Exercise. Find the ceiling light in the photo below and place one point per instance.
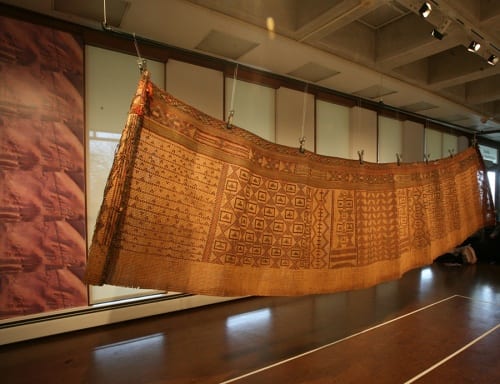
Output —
(493, 60)
(473, 46)
(425, 10)
(438, 35)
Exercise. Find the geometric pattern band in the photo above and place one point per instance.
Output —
(193, 206)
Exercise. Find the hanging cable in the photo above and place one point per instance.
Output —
(302, 138)
(231, 105)
(140, 61)
(105, 17)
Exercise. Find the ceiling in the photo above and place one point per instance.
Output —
(381, 50)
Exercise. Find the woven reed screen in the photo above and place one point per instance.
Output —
(192, 206)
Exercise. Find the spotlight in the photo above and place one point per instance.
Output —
(473, 46)
(438, 35)
(425, 10)
(493, 60)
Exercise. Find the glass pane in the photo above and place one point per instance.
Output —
(489, 154)
(492, 178)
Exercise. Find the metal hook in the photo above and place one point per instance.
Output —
(361, 153)
(474, 141)
(142, 63)
(302, 141)
(451, 152)
(230, 116)
(399, 157)
(427, 157)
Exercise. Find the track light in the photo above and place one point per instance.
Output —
(493, 60)
(425, 10)
(473, 46)
(438, 35)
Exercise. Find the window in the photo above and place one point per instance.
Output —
(111, 80)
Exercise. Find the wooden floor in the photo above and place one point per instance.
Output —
(439, 324)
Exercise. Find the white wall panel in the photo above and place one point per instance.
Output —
(254, 107)
(433, 144)
(332, 129)
(294, 118)
(390, 139)
(413, 141)
(462, 143)
(450, 143)
(202, 88)
(363, 133)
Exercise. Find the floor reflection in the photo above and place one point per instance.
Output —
(486, 293)
(247, 330)
(130, 353)
(426, 279)
(259, 319)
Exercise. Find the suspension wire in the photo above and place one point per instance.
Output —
(105, 17)
(140, 61)
(231, 105)
(302, 138)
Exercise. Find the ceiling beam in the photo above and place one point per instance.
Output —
(396, 47)
(340, 16)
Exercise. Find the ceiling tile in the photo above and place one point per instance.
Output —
(382, 15)
(374, 92)
(455, 117)
(225, 45)
(115, 9)
(419, 106)
(313, 72)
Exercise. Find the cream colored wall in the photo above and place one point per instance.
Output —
(203, 88)
(449, 143)
(433, 144)
(254, 107)
(390, 139)
(413, 141)
(332, 129)
(363, 133)
(462, 143)
(294, 118)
